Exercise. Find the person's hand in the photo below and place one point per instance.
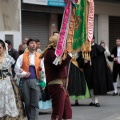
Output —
(116, 59)
(112, 56)
(21, 70)
(43, 88)
(86, 61)
(65, 51)
(27, 75)
(14, 80)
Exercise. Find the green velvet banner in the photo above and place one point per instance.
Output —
(80, 25)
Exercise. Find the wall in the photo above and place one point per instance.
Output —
(104, 10)
(16, 37)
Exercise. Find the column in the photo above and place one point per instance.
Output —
(53, 23)
(103, 28)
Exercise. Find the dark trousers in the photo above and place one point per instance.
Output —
(60, 102)
(116, 71)
(30, 92)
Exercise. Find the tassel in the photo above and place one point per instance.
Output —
(60, 61)
(64, 57)
(83, 54)
(87, 55)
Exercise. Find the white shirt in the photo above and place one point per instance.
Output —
(118, 51)
(107, 52)
(43, 69)
(118, 54)
(19, 62)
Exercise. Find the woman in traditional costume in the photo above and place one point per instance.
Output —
(107, 52)
(10, 101)
(77, 87)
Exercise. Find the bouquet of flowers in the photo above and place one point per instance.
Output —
(41, 83)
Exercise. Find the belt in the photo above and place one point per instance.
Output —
(4, 74)
(58, 81)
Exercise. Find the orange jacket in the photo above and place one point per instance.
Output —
(26, 63)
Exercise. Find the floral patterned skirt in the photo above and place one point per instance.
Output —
(12, 115)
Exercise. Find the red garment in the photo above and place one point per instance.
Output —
(60, 98)
(60, 102)
(52, 71)
(116, 62)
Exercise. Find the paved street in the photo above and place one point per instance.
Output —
(109, 110)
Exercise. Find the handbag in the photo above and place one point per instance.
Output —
(44, 95)
(44, 105)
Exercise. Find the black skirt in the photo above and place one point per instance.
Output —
(77, 83)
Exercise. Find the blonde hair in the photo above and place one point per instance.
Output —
(52, 43)
(53, 39)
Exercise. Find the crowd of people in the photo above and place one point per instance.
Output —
(73, 78)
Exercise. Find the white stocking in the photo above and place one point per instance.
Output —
(92, 95)
(115, 87)
(96, 99)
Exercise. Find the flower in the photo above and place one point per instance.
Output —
(40, 69)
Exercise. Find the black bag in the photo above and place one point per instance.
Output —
(44, 95)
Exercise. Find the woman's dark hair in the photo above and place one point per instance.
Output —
(102, 43)
(30, 40)
(37, 40)
(117, 39)
(55, 32)
(8, 42)
(2, 43)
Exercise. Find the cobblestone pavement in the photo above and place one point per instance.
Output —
(109, 110)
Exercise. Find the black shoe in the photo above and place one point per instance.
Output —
(97, 105)
(76, 104)
(115, 94)
(92, 104)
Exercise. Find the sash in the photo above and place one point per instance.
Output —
(61, 45)
(90, 20)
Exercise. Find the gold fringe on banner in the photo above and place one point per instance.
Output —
(86, 47)
(71, 31)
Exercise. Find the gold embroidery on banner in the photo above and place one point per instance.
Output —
(71, 31)
(74, 24)
(78, 2)
(86, 47)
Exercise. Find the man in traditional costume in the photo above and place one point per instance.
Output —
(97, 75)
(115, 57)
(27, 66)
(56, 79)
